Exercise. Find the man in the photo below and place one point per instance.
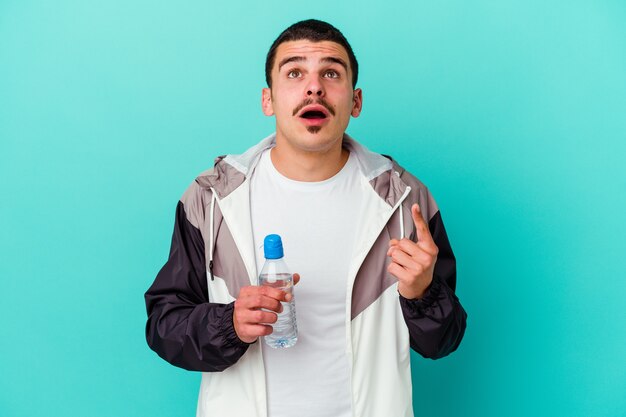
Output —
(377, 272)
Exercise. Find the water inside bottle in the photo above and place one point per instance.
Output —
(285, 333)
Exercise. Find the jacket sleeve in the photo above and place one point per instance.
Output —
(183, 327)
(437, 321)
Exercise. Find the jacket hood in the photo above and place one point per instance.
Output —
(230, 171)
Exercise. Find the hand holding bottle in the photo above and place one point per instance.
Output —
(250, 318)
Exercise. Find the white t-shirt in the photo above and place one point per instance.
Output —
(317, 222)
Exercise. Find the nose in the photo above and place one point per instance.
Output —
(315, 88)
(313, 92)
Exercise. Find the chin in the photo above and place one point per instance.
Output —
(319, 139)
(318, 142)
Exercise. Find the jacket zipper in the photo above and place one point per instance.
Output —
(211, 221)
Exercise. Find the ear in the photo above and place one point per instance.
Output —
(357, 104)
(266, 102)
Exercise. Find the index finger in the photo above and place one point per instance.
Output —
(421, 228)
(274, 293)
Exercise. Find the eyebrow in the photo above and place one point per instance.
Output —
(328, 59)
(336, 61)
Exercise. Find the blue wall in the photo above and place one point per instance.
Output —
(513, 113)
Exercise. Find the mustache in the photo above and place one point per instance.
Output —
(310, 101)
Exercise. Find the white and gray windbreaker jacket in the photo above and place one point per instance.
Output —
(190, 303)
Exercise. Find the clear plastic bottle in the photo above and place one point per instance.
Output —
(275, 273)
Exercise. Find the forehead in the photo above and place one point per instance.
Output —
(309, 50)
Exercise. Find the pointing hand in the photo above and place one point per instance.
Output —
(413, 263)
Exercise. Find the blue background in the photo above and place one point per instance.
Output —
(513, 113)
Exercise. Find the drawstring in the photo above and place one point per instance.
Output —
(401, 212)
(213, 198)
(401, 223)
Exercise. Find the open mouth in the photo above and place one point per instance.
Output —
(313, 114)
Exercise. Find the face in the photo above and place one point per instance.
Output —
(311, 95)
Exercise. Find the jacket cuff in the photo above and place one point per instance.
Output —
(227, 329)
(417, 306)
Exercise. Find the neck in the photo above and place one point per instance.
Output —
(308, 166)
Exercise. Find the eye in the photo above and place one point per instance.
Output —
(294, 73)
(331, 74)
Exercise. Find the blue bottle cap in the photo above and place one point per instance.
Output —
(273, 247)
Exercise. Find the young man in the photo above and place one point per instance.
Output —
(377, 271)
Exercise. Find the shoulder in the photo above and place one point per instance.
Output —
(410, 179)
(419, 193)
(197, 197)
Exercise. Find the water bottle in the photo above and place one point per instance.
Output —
(275, 273)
